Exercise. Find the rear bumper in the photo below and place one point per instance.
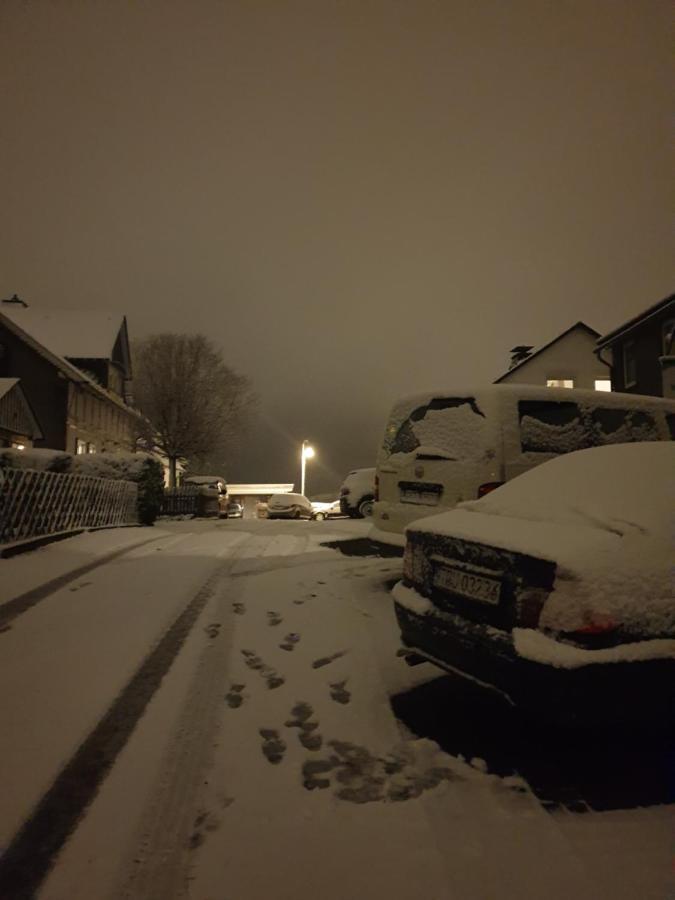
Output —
(587, 694)
(391, 519)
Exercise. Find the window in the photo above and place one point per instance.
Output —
(91, 448)
(80, 447)
(667, 338)
(603, 384)
(560, 382)
(622, 426)
(551, 427)
(629, 364)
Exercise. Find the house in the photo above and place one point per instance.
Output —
(569, 360)
(18, 425)
(643, 360)
(79, 410)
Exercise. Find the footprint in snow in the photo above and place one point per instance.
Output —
(339, 692)
(326, 660)
(234, 696)
(213, 629)
(238, 608)
(271, 676)
(307, 730)
(273, 618)
(290, 641)
(273, 746)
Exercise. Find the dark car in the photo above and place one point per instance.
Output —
(556, 589)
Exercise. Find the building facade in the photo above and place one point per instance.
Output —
(641, 352)
(569, 360)
(74, 411)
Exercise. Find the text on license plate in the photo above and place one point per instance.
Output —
(427, 498)
(467, 584)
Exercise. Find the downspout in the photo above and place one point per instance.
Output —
(598, 353)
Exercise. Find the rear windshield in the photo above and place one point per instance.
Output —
(444, 428)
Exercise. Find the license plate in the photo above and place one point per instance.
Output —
(475, 587)
(426, 498)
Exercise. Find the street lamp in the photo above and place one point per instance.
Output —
(307, 452)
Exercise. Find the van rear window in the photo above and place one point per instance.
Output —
(547, 426)
(444, 428)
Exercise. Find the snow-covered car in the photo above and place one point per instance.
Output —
(213, 483)
(447, 447)
(289, 506)
(234, 510)
(321, 511)
(358, 493)
(557, 589)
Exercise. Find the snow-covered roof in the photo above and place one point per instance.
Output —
(73, 333)
(611, 336)
(68, 369)
(255, 489)
(581, 326)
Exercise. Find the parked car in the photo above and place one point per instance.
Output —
(321, 511)
(289, 506)
(445, 448)
(235, 510)
(358, 493)
(215, 483)
(556, 590)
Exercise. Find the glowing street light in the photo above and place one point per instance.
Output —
(307, 452)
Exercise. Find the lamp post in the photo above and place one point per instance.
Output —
(307, 452)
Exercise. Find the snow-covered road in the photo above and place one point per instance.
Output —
(207, 714)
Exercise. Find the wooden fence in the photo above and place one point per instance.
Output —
(38, 503)
(181, 501)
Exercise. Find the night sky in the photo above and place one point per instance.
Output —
(353, 199)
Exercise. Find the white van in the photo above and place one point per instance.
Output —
(442, 448)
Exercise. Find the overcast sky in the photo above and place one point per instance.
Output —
(353, 199)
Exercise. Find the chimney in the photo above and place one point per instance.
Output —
(16, 300)
(519, 354)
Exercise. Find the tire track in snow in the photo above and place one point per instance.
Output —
(33, 850)
(21, 604)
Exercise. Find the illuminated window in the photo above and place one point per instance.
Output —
(80, 447)
(560, 382)
(667, 337)
(603, 384)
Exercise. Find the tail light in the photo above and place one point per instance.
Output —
(376, 490)
(600, 626)
(488, 486)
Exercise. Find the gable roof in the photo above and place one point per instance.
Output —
(71, 372)
(580, 325)
(631, 323)
(16, 414)
(71, 333)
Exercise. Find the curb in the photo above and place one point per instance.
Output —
(9, 550)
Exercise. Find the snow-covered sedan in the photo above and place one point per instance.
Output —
(556, 589)
(289, 506)
(321, 511)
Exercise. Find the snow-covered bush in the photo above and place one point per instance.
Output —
(38, 460)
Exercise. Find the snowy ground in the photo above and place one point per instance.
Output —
(267, 762)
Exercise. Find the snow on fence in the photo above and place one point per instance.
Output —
(181, 501)
(36, 503)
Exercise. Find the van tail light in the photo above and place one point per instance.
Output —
(488, 486)
(376, 491)
(600, 626)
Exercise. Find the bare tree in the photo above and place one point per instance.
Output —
(195, 402)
